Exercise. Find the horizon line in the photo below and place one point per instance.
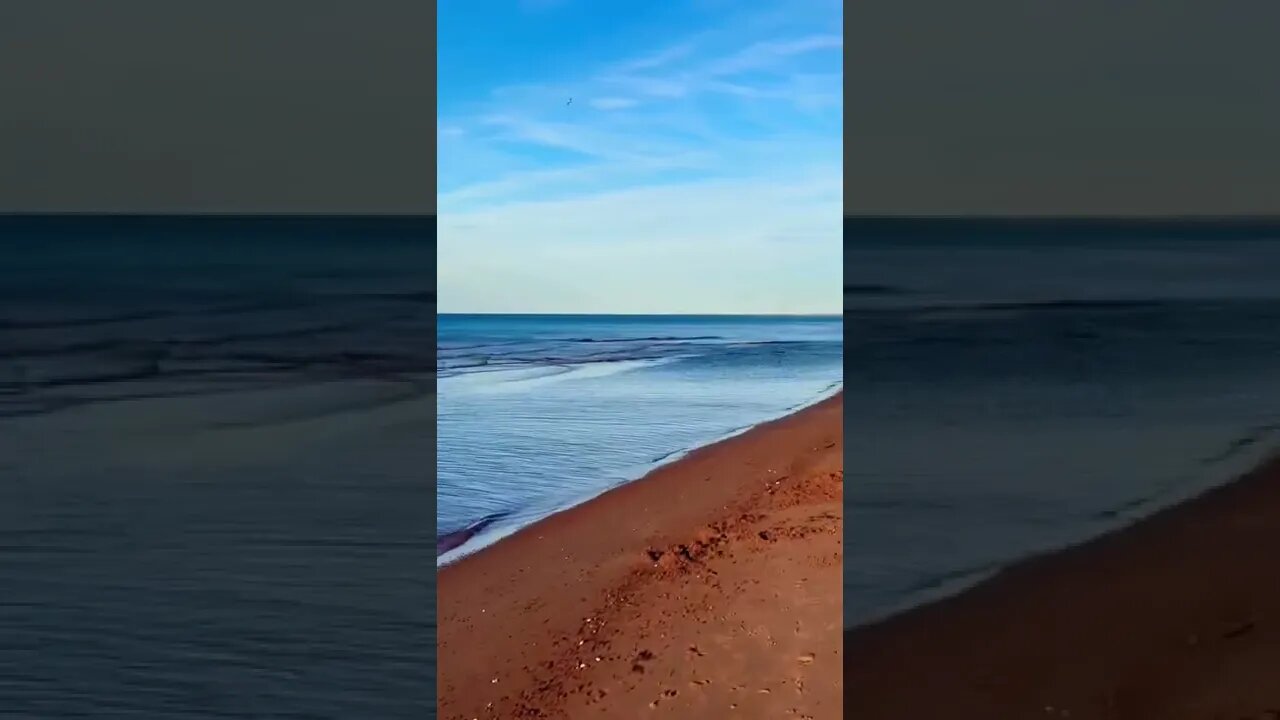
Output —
(1108, 217)
(649, 314)
(59, 214)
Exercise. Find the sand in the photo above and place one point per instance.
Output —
(709, 588)
(1175, 617)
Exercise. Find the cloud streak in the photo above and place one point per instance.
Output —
(613, 103)
(730, 137)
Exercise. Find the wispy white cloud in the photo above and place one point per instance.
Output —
(763, 55)
(657, 59)
(660, 114)
(613, 103)
(726, 141)
(712, 74)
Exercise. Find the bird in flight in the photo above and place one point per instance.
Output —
(570, 102)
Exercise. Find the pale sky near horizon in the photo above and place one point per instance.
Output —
(698, 168)
(1076, 107)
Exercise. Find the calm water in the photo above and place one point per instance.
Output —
(216, 450)
(541, 412)
(1010, 393)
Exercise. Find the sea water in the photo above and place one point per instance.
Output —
(1014, 392)
(538, 413)
(216, 450)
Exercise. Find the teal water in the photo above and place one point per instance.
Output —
(538, 413)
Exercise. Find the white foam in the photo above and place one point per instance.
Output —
(523, 379)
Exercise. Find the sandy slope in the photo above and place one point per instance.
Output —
(1176, 617)
(710, 588)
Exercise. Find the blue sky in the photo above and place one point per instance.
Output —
(697, 170)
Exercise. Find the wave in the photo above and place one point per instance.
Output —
(448, 350)
(1072, 304)
(457, 538)
(189, 306)
(457, 363)
(508, 377)
(827, 392)
(1056, 305)
(108, 345)
(1249, 439)
(14, 324)
(492, 528)
(449, 367)
(976, 230)
(655, 338)
(212, 309)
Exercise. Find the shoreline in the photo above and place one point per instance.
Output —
(1175, 615)
(1241, 460)
(458, 539)
(710, 585)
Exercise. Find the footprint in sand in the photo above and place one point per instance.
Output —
(644, 656)
(666, 695)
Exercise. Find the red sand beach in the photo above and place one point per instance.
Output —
(709, 588)
(1176, 617)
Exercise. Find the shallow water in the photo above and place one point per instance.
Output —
(1005, 399)
(541, 412)
(216, 448)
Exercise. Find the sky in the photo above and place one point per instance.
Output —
(1067, 107)
(640, 157)
(249, 106)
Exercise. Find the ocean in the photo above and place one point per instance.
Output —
(1017, 387)
(539, 413)
(216, 451)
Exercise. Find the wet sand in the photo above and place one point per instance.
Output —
(1177, 616)
(709, 588)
